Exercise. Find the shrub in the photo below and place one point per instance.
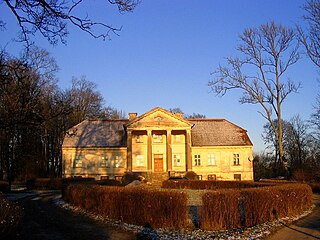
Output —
(315, 187)
(248, 207)
(166, 209)
(10, 216)
(191, 175)
(108, 182)
(211, 185)
(129, 177)
(44, 183)
(220, 210)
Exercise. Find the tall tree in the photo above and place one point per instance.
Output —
(310, 37)
(86, 100)
(50, 18)
(266, 53)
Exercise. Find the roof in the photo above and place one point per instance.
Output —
(217, 132)
(112, 133)
(97, 133)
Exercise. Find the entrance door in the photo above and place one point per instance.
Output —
(158, 162)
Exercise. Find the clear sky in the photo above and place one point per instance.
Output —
(166, 52)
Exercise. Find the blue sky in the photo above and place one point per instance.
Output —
(166, 52)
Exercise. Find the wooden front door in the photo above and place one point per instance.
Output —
(158, 162)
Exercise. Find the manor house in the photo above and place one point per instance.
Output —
(158, 143)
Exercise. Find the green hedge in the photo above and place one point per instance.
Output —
(234, 208)
(165, 209)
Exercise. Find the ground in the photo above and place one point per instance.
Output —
(305, 228)
(44, 220)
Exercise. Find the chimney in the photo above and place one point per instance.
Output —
(132, 116)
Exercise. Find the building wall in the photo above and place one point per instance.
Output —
(223, 162)
(94, 162)
(215, 162)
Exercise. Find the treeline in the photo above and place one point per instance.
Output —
(35, 113)
(301, 141)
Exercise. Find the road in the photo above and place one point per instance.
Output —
(44, 220)
(307, 228)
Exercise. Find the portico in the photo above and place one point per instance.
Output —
(158, 142)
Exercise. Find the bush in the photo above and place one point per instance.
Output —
(220, 210)
(315, 187)
(247, 207)
(4, 186)
(44, 183)
(10, 216)
(166, 209)
(211, 185)
(191, 175)
(129, 177)
(108, 182)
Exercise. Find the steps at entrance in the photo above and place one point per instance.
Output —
(156, 179)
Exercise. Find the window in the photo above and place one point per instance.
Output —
(211, 160)
(212, 177)
(197, 160)
(118, 162)
(104, 161)
(177, 160)
(139, 139)
(177, 138)
(78, 161)
(157, 138)
(237, 177)
(236, 159)
(139, 160)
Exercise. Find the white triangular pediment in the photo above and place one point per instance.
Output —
(159, 117)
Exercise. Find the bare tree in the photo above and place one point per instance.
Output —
(259, 72)
(50, 18)
(310, 38)
(296, 141)
(87, 101)
(113, 113)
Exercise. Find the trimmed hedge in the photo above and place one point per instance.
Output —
(234, 208)
(211, 185)
(165, 209)
(44, 183)
(220, 210)
(10, 216)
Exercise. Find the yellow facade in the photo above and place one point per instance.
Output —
(94, 162)
(160, 142)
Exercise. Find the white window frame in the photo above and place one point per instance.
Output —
(197, 160)
(211, 159)
(236, 159)
(139, 138)
(157, 138)
(78, 161)
(177, 160)
(118, 161)
(177, 138)
(140, 161)
(104, 161)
